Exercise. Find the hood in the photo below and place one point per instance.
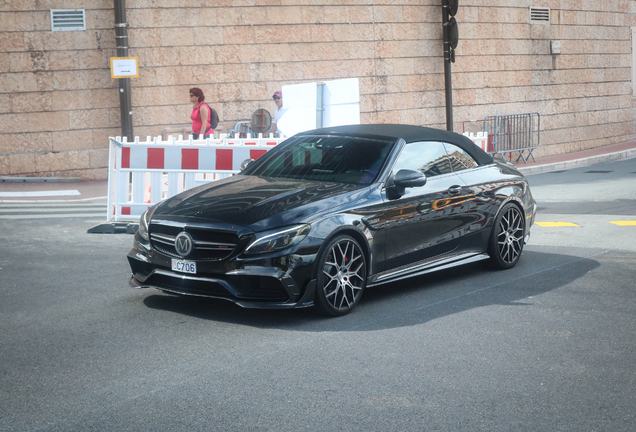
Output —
(258, 202)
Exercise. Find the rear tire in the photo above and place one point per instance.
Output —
(341, 276)
(506, 239)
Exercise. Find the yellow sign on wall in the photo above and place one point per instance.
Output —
(124, 67)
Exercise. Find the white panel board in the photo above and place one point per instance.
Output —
(342, 102)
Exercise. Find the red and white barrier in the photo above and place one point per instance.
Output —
(480, 139)
(140, 174)
(143, 173)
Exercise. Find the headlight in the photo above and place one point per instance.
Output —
(143, 226)
(274, 241)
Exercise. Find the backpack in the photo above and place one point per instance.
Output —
(214, 117)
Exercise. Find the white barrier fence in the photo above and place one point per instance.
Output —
(480, 139)
(140, 174)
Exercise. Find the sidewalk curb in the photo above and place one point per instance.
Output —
(39, 179)
(577, 163)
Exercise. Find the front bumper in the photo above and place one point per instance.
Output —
(272, 282)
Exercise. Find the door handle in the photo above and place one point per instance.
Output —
(454, 190)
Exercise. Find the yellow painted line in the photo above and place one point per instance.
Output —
(623, 223)
(556, 224)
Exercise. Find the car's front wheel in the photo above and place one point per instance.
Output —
(506, 239)
(341, 276)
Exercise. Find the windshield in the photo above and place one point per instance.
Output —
(325, 158)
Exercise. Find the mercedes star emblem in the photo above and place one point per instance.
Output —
(183, 244)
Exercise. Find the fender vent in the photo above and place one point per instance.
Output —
(68, 19)
(539, 15)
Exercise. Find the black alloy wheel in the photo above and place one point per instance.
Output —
(506, 241)
(341, 276)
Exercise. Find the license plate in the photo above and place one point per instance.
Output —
(184, 266)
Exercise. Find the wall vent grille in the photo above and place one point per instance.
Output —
(540, 15)
(68, 19)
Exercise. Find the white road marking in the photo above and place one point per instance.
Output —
(40, 193)
(52, 210)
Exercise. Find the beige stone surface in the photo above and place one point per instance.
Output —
(5, 166)
(11, 41)
(350, 32)
(95, 59)
(180, 36)
(78, 159)
(5, 103)
(56, 92)
(13, 123)
(105, 98)
(71, 100)
(48, 121)
(52, 161)
(17, 82)
(72, 140)
(100, 136)
(4, 62)
(86, 174)
(22, 163)
(98, 158)
(236, 35)
(25, 21)
(99, 18)
(36, 101)
(25, 142)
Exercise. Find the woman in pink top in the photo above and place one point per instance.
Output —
(200, 114)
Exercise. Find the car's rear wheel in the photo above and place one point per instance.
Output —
(506, 240)
(341, 276)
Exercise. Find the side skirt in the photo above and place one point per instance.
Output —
(428, 267)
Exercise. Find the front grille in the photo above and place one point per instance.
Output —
(209, 244)
(188, 286)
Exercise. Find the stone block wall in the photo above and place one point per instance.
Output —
(58, 104)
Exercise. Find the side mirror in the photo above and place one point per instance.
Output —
(245, 163)
(405, 179)
(409, 178)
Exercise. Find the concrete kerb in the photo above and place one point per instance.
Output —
(577, 163)
(39, 179)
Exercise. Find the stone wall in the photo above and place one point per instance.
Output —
(58, 104)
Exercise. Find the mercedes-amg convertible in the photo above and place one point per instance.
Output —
(330, 212)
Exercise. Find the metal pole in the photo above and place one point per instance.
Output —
(448, 86)
(121, 41)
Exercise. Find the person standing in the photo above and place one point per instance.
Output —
(278, 99)
(201, 114)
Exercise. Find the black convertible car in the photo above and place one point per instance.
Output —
(332, 211)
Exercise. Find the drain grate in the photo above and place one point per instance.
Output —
(597, 172)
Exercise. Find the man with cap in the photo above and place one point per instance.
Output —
(278, 99)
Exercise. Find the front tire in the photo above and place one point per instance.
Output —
(341, 276)
(506, 240)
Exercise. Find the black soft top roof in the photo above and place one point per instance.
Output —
(409, 133)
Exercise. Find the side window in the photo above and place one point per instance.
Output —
(427, 157)
(459, 159)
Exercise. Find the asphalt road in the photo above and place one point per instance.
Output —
(546, 346)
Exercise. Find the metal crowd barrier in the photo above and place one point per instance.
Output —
(241, 130)
(513, 133)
